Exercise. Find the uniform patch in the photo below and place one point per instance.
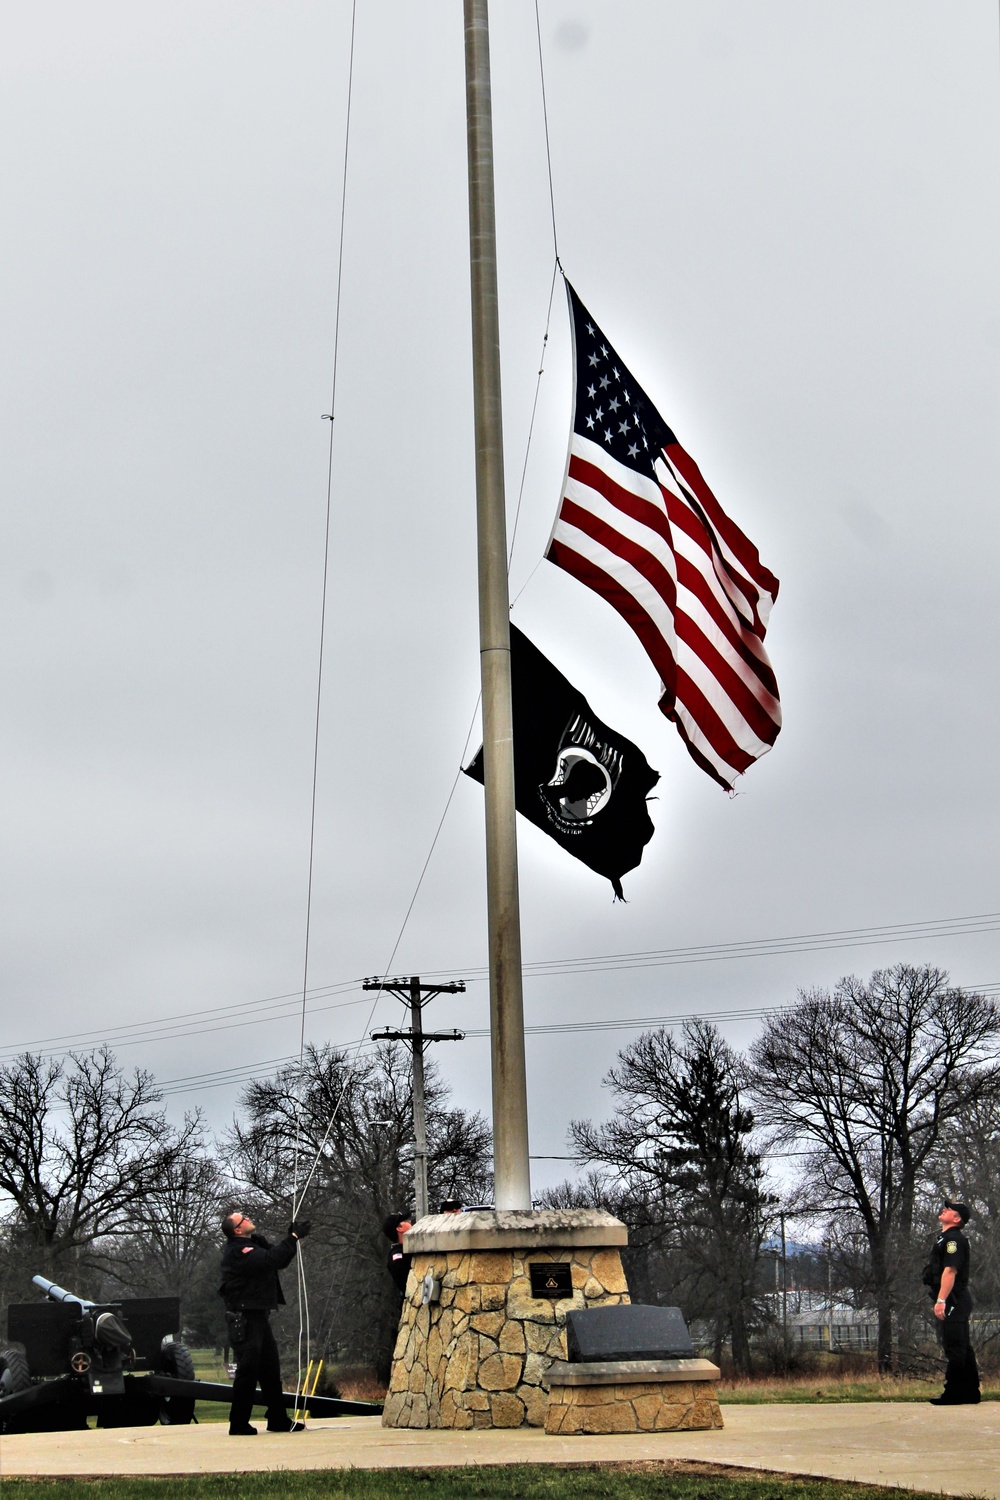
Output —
(951, 1246)
(247, 1249)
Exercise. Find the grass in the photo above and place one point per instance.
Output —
(353, 1384)
(830, 1386)
(208, 1366)
(838, 1386)
(677, 1480)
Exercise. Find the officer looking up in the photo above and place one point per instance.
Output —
(251, 1289)
(947, 1278)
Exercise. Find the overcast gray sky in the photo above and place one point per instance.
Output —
(786, 217)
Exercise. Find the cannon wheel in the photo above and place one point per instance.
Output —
(14, 1373)
(175, 1359)
(15, 1376)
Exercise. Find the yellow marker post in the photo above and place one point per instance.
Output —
(300, 1416)
(307, 1392)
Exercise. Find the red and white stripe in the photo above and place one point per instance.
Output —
(691, 585)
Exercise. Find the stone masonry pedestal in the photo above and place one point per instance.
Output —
(478, 1356)
(637, 1395)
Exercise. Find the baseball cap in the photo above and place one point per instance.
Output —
(962, 1209)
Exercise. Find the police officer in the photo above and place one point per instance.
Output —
(394, 1226)
(251, 1289)
(947, 1278)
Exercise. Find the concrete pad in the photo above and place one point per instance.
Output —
(947, 1449)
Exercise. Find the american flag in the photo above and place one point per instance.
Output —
(639, 525)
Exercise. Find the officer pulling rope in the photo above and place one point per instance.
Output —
(251, 1291)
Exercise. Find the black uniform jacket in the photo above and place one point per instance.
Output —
(250, 1269)
(951, 1248)
(399, 1265)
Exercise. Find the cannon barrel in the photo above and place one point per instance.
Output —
(60, 1294)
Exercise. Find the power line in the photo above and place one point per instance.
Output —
(167, 1033)
(281, 1006)
(243, 1073)
(112, 1033)
(851, 937)
(553, 1028)
(638, 1023)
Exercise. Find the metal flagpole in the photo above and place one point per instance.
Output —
(510, 1101)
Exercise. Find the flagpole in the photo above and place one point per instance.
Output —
(512, 1184)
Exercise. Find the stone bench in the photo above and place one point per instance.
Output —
(632, 1395)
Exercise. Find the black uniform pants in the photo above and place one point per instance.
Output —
(961, 1378)
(256, 1362)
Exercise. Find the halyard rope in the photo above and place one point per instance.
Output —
(303, 1297)
(300, 1189)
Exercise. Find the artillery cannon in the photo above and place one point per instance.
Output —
(120, 1362)
(99, 1341)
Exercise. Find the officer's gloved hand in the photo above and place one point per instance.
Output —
(299, 1228)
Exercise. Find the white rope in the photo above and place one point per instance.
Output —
(545, 122)
(556, 269)
(300, 1189)
(531, 431)
(388, 967)
(447, 806)
(303, 1295)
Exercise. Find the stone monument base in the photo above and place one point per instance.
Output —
(476, 1352)
(637, 1395)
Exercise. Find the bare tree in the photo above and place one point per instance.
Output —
(82, 1144)
(685, 1174)
(863, 1080)
(173, 1246)
(176, 1221)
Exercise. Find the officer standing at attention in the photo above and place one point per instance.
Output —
(947, 1278)
(251, 1289)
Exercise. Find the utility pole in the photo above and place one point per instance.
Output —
(416, 995)
(511, 1174)
(784, 1290)
(829, 1296)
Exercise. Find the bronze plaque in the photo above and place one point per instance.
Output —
(552, 1278)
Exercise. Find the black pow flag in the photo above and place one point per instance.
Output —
(576, 779)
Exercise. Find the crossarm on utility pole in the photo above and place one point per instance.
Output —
(406, 1035)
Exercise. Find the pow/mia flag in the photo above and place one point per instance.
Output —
(576, 779)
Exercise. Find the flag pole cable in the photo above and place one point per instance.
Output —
(531, 429)
(557, 269)
(458, 773)
(330, 417)
(548, 152)
(303, 1296)
(317, 1156)
(440, 825)
(451, 793)
(480, 209)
